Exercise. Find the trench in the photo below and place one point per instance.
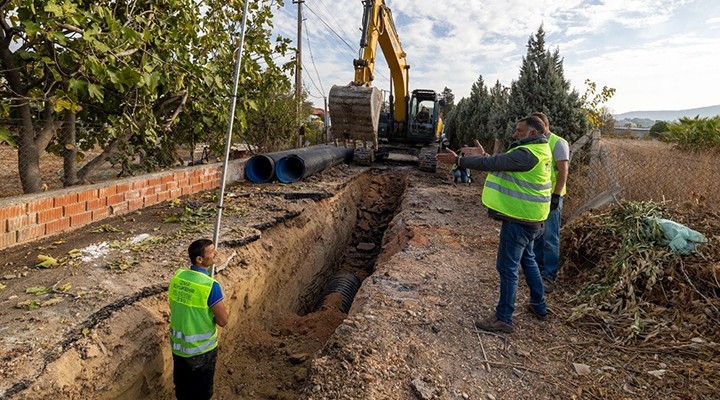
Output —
(292, 286)
(312, 289)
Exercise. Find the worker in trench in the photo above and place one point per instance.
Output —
(517, 192)
(196, 309)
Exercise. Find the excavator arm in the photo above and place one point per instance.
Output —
(379, 28)
(355, 108)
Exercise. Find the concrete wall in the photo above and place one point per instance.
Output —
(34, 216)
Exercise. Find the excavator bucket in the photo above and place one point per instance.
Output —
(355, 112)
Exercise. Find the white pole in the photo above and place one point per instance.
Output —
(228, 139)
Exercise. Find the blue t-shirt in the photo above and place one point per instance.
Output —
(216, 293)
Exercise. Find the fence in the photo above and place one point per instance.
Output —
(606, 170)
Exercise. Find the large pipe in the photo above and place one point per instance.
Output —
(296, 166)
(261, 168)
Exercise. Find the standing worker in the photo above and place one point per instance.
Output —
(196, 307)
(547, 247)
(517, 192)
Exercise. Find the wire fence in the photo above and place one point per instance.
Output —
(607, 170)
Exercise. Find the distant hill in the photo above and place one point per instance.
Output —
(670, 115)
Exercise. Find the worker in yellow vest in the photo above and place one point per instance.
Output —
(547, 247)
(517, 192)
(196, 307)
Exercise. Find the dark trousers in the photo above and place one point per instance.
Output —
(194, 376)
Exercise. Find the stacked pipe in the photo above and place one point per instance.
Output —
(292, 165)
(297, 166)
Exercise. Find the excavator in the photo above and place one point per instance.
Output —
(414, 121)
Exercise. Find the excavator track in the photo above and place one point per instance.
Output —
(364, 155)
(426, 158)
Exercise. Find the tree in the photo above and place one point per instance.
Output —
(593, 103)
(658, 128)
(135, 79)
(542, 86)
(449, 98)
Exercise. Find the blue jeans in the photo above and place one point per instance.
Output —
(460, 173)
(516, 249)
(547, 246)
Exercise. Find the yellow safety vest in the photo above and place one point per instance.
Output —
(523, 195)
(192, 322)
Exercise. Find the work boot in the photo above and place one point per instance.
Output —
(548, 284)
(493, 324)
(541, 317)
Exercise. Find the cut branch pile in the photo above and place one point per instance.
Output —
(632, 286)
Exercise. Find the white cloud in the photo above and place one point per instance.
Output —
(626, 44)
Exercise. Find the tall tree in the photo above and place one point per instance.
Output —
(122, 76)
(542, 86)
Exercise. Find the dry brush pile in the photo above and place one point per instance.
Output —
(632, 286)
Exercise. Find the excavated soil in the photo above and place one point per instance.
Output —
(96, 325)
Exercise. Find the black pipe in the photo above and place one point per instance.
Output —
(344, 283)
(293, 167)
(261, 168)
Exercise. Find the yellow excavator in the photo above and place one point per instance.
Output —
(414, 122)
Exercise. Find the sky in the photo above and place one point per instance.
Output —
(657, 54)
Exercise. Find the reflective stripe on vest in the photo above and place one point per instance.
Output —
(552, 141)
(523, 195)
(192, 322)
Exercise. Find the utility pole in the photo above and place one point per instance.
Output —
(298, 74)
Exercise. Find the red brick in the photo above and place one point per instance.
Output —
(57, 225)
(170, 185)
(194, 180)
(13, 211)
(163, 196)
(179, 176)
(49, 215)
(115, 199)
(74, 209)
(16, 223)
(141, 184)
(28, 234)
(95, 204)
(132, 195)
(122, 188)
(88, 195)
(149, 191)
(135, 204)
(175, 193)
(40, 205)
(186, 191)
(154, 182)
(119, 208)
(7, 239)
(151, 199)
(208, 185)
(81, 219)
(65, 200)
(198, 187)
(100, 213)
(108, 191)
(166, 178)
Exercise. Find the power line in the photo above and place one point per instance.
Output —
(312, 59)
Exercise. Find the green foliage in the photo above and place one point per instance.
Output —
(489, 114)
(593, 101)
(142, 78)
(542, 86)
(695, 133)
(658, 128)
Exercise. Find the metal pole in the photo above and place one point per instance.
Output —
(298, 72)
(228, 139)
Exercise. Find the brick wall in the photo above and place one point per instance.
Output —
(34, 216)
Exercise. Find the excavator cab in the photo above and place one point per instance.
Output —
(423, 120)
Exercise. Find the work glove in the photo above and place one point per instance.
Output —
(554, 201)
